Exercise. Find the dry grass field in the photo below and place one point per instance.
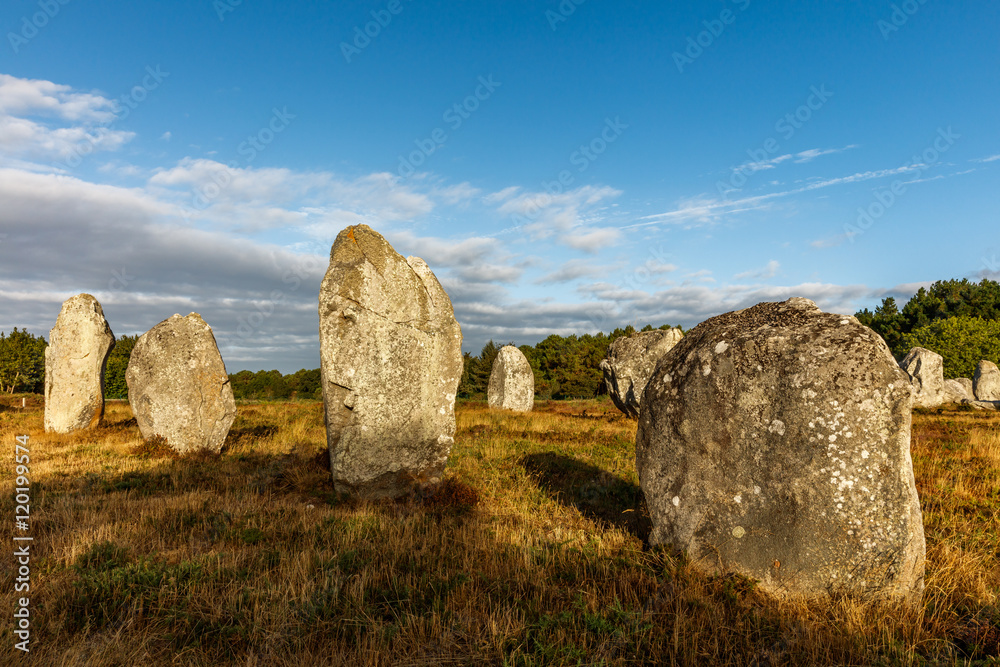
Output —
(532, 552)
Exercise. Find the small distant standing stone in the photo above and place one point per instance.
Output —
(630, 362)
(926, 371)
(986, 381)
(774, 442)
(391, 361)
(178, 386)
(512, 382)
(79, 345)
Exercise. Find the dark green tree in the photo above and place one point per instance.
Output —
(22, 362)
(962, 341)
(114, 372)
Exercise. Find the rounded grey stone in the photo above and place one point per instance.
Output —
(774, 442)
(178, 386)
(512, 382)
(630, 362)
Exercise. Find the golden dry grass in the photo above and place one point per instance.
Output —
(533, 552)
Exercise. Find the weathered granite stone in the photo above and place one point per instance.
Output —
(630, 362)
(512, 382)
(967, 386)
(775, 442)
(178, 386)
(956, 391)
(986, 381)
(79, 345)
(926, 371)
(391, 359)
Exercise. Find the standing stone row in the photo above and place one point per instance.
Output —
(178, 386)
(930, 390)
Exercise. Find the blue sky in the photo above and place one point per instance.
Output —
(562, 167)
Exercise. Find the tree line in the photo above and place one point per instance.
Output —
(958, 319)
(564, 366)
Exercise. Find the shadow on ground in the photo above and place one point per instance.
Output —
(238, 436)
(598, 494)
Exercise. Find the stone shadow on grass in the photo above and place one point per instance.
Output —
(248, 434)
(598, 494)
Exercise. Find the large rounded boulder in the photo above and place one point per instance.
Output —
(774, 442)
(391, 360)
(512, 382)
(630, 362)
(78, 350)
(178, 386)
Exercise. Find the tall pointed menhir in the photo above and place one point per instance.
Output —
(391, 359)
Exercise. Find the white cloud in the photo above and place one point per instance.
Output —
(708, 210)
(830, 242)
(506, 193)
(764, 273)
(813, 153)
(31, 112)
(439, 252)
(253, 200)
(462, 193)
(991, 158)
(567, 217)
(572, 270)
(38, 97)
(166, 136)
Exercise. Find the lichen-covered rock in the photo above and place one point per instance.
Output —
(774, 442)
(926, 371)
(391, 360)
(630, 362)
(512, 382)
(958, 390)
(178, 386)
(986, 381)
(79, 345)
